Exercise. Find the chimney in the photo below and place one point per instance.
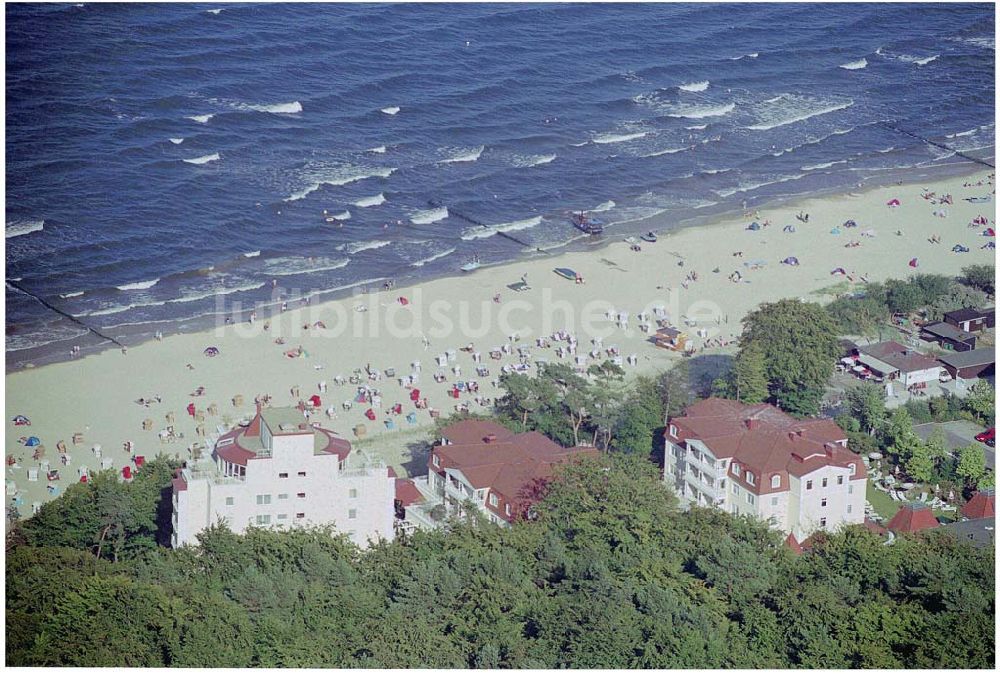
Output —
(751, 423)
(490, 438)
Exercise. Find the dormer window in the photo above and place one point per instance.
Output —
(736, 469)
(751, 479)
(493, 500)
(775, 481)
(852, 468)
(673, 431)
(437, 460)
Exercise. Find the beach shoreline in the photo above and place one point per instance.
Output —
(664, 224)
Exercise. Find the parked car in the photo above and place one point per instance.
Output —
(988, 437)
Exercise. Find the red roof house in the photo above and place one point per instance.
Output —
(981, 504)
(912, 517)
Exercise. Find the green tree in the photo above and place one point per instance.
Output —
(971, 464)
(866, 403)
(674, 387)
(981, 401)
(640, 416)
(918, 464)
(748, 378)
(981, 276)
(798, 343)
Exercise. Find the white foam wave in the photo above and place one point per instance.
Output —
(22, 227)
(215, 11)
(66, 296)
(203, 160)
(697, 127)
(176, 141)
(701, 111)
(963, 133)
(346, 215)
(790, 109)
(888, 149)
(378, 150)
(824, 165)
(464, 155)
(982, 42)
(667, 151)
(139, 285)
(534, 160)
(277, 108)
(290, 266)
(201, 119)
(428, 216)
(605, 138)
(745, 56)
(491, 230)
(437, 256)
(917, 60)
(694, 86)
(605, 206)
(749, 187)
(855, 65)
(357, 247)
(340, 176)
(391, 110)
(255, 253)
(366, 202)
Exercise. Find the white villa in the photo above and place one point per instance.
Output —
(281, 471)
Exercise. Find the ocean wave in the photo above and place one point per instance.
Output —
(713, 172)
(534, 160)
(464, 155)
(255, 253)
(791, 108)
(888, 149)
(191, 297)
(694, 86)
(203, 160)
(22, 227)
(605, 138)
(365, 202)
(176, 141)
(814, 141)
(663, 152)
(602, 207)
(981, 42)
(917, 60)
(487, 231)
(749, 187)
(340, 176)
(855, 65)
(276, 108)
(428, 216)
(377, 150)
(745, 56)
(697, 127)
(215, 11)
(391, 110)
(201, 119)
(436, 256)
(345, 215)
(701, 111)
(358, 246)
(291, 266)
(139, 285)
(963, 133)
(824, 165)
(66, 296)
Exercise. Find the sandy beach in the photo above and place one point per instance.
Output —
(390, 330)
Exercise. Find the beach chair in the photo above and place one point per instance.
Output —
(390, 425)
(360, 431)
(411, 418)
(78, 438)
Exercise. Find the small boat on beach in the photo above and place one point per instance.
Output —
(472, 265)
(649, 237)
(586, 224)
(566, 273)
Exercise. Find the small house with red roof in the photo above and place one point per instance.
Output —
(982, 504)
(797, 474)
(280, 470)
(498, 471)
(911, 518)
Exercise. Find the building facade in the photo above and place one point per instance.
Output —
(755, 460)
(280, 471)
(897, 363)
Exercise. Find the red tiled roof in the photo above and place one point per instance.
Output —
(766, 441)
(472, 431)
(793, 544)
(875, 527)
(238, 454)
(912, 517)
(980, 505)
(407, 493)
(901, 357)
(392, 471)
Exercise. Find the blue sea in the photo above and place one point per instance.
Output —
(161, 157)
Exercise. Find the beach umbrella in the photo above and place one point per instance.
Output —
(835, 230)
(33, 441)
(838, 270)
(892, 203)
(21, 420)
(989, 232)
(211, 352)
(793, 261)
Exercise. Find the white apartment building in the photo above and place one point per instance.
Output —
(756, 460)
(280, 471)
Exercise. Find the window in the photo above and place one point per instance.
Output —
(282, 516)
(840, 479)
(263, 519)
(437, 460)
(230, 500)
(282, 497)
(282, 475)
(809, 484)
(302, 473)
(849, 509)
(301, 494)
(774, 501)
(263, 499)
(822, 522)
(822, 504)
(824, 482)
(775, 481)
(850, 489)
(750, 498)
(736, 469)
(736, 489)
(493, 500)
(673, 431)
(352, 514)
(507, 509)
(751, 478)
(300, 516)
(353, 493)
(851, 468)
